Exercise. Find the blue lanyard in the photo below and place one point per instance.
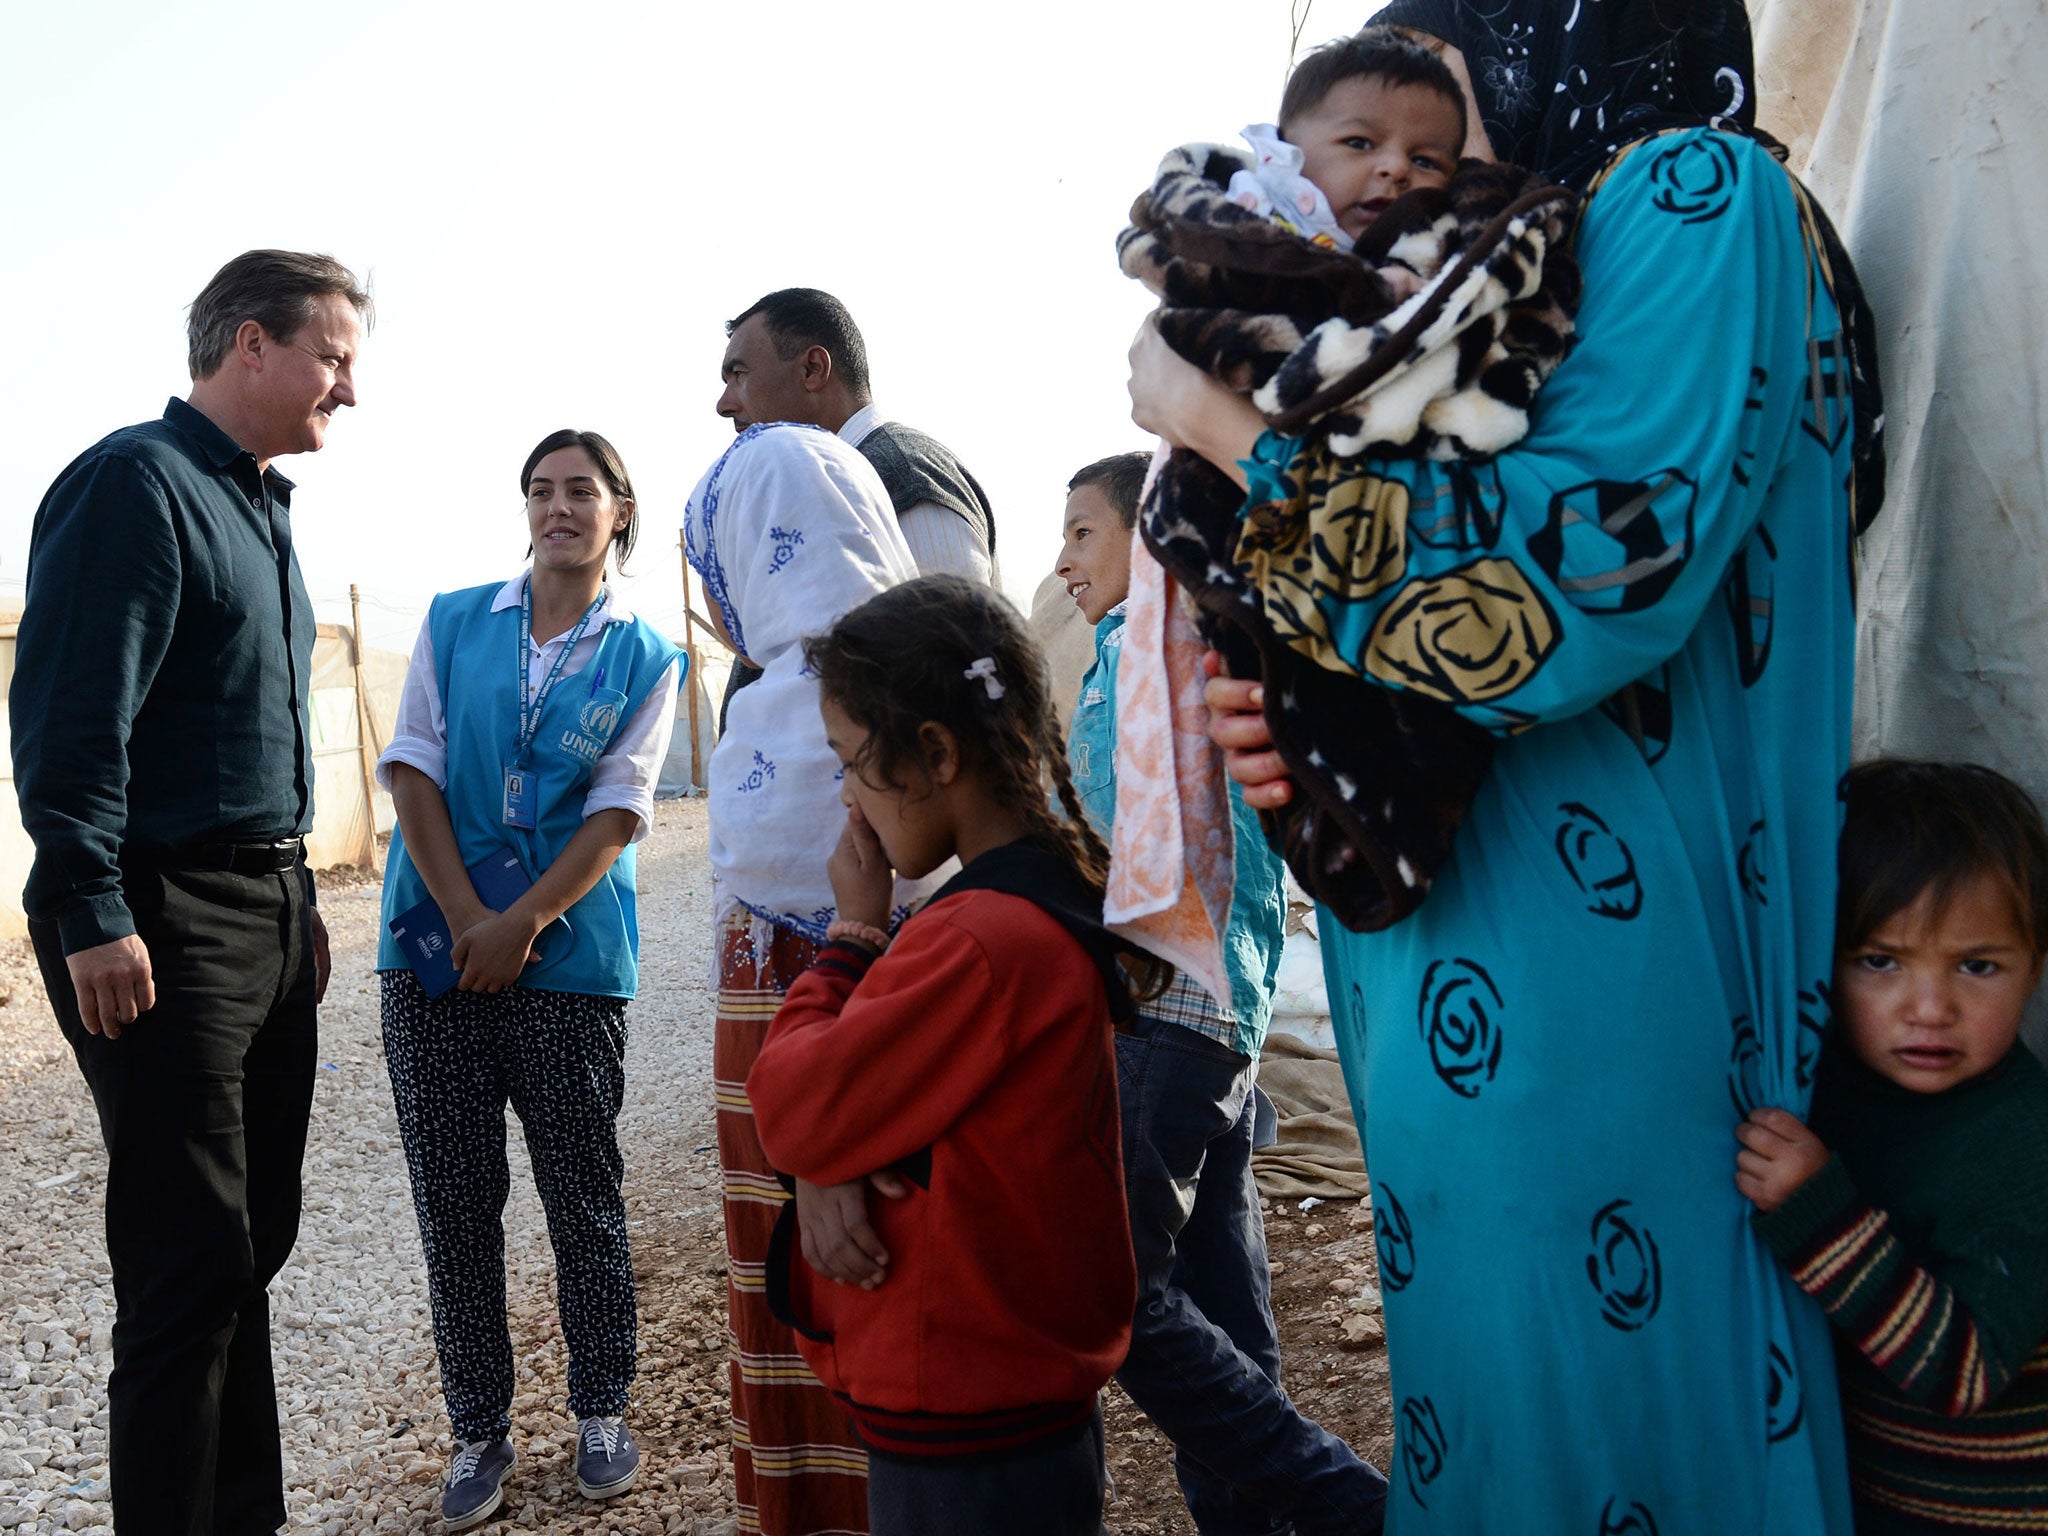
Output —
(531, 703)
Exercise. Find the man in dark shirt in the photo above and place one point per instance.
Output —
(164, 764)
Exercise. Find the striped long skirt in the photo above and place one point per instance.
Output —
(798, 1469)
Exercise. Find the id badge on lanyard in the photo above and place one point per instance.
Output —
(520, 796)
(522, 779)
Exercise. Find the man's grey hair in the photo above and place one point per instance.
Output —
(276, 289)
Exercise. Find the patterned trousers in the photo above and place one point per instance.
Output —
(798, 1469)
(559, 1059)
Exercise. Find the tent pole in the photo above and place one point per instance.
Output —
(690, 682)
(363, 725)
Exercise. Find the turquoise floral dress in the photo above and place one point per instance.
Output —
(1649, 601)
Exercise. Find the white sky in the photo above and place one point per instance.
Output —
(558, 207)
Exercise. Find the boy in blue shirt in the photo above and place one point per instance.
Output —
(1204, 1362)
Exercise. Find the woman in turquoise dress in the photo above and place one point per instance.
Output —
(1648, 601)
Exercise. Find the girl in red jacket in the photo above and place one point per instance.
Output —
(965, 1066)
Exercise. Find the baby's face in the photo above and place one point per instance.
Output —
(1369, 140)
(1933, 999)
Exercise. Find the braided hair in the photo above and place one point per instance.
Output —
(936, 649)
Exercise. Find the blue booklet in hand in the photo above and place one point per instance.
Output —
(422, 932)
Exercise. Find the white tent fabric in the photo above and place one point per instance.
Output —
(1068, 641)
(348, 808)
(1924, 131)
(707, 683)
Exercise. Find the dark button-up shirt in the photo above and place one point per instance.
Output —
(161, 667)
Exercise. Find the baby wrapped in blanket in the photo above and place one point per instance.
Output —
(1355, 280)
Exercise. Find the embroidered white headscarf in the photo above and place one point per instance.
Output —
(789, 529)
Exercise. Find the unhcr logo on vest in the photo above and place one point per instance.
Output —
(595, 723)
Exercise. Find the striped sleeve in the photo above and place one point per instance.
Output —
(846, 961)
(1912, 1323)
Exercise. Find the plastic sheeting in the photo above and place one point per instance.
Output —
(1316, 1150)
(348, 808)
(707, 682)
(1068, 641)
(1924, 130)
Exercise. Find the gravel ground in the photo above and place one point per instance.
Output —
(359, 1391)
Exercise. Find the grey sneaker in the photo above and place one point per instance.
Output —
(473, 1493)
(607, 1460)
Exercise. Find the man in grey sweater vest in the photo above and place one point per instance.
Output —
(796, 355)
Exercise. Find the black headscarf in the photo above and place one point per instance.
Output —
(1563, 84)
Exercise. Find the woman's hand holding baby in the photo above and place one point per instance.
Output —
(1173, 399)
(1778, 1155)
(1237, 724)
(862, 878)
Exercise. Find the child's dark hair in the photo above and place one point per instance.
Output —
(912, 654)
(1914, 829)
(1121, 478)
(1375, 53)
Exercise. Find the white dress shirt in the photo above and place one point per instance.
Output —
(939, 538)
(622, 779)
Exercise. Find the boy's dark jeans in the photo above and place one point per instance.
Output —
(1205, 1357)
(203, 1103)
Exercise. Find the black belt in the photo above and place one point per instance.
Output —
(234, 858)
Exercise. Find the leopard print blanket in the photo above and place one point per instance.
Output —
(1321, 345)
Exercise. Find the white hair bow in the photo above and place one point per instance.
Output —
(984, 668)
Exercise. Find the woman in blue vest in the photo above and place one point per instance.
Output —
(535, 718)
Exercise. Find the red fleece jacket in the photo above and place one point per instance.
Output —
(983, 1036)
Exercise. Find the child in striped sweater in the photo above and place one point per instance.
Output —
(1915, 1208)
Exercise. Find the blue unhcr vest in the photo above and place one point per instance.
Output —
(474, 650)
